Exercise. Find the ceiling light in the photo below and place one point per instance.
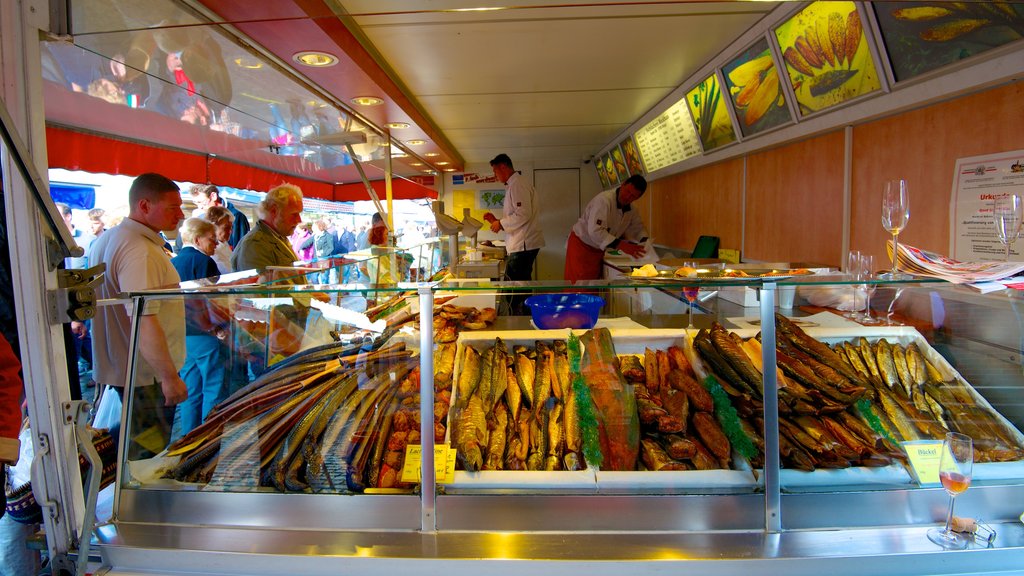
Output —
(398, 154)
(449, 169)
(431, 154)
(250, 63)
(397, 125)
(416, 164)
(415, 142)
(367, 101)
(315, 59)
(443, 163)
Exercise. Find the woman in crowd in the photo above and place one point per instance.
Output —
(205, 326)
(222, 221)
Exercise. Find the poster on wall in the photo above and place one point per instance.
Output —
(923, 36)
(620, 164)
(710, 115)
(752, 81)
(609, 170)
(601, 175)
(633, 162)
(827, 57)
(668, 139)
(977, 182)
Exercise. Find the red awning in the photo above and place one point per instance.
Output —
(74, 150)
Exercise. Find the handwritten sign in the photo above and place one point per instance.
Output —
(924, 458)
(444, 463)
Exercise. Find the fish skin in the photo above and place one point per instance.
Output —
(655, 458)
(916, 365)
(633, 370)
(712, 436)
(720, 366)
(848, 438)
(561, 374)
(678, 447)
(896, 415)
(816, 349)
(513, 395)
(677, 405)
(899, 358)
(556, 440)
(469, 375)
(572, 461)
(703, 459)
(867, 354)
(573, 435)
(526, 373)
(736, 358)
(492, 394)
(496, 439)
(651, 371)
(854, 358)
(471, 434)
(886, 364)
(699, 397)
(542, 379)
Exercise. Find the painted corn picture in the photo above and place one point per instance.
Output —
(753, 83)
(609, 170)
(710, 115)
(827, 57)
(923, 36)
(620, 164)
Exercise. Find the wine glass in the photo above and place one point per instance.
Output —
(1008, 212)
(867, 267)
(895, 213)
(691, 293)
(853, 270)
(955, 475)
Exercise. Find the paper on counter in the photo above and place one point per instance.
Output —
(819, 320)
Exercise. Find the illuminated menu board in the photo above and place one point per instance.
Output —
(668, 139)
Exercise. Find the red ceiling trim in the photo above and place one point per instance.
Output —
(76, 150)
(400, 190)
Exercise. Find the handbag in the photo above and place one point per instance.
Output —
(21, 502)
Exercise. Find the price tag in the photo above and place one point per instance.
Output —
(924, 458)
(444, 463)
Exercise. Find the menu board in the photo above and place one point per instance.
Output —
(668, 139)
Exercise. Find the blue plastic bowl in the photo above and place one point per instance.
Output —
(554, 311)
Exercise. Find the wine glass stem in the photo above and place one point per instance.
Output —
(867, 301)
(1007, 258)
(895, 252)
(949, 516)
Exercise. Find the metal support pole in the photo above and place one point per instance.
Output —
(772, 494)
(428, 481)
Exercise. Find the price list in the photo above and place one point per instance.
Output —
(668, 139)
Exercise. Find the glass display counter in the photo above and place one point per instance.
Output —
(758, 419)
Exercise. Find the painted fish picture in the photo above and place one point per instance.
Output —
(710, 114)
(753, 83)
(923, 36)
(827, 57)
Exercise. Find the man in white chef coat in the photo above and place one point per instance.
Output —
(608, 221)
(523, 236)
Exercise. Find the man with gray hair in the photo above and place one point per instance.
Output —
(267, 243)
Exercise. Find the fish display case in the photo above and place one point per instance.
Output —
(750, 421)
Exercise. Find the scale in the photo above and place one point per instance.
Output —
(467, 227)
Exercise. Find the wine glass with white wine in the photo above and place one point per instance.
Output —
(1008, 212)
(895, 214)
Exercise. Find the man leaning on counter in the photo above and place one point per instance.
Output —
(608, 221)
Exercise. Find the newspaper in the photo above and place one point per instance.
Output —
(925, 263)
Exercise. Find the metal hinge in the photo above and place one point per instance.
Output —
(75, 297)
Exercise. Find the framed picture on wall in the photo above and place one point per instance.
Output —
(714, 126)
(609, 170)
(828, 60)
(629, 150)
(752, 82)
(601, 175)
(922, 36)
(620, 164)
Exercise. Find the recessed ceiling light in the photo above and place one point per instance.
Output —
(397, 125)
(398, 154)
(415, 142)
(449, 169)
(431, 154)
(416, 164)
(315, 59)
(367, 101)
(443, 163)
(250, 63)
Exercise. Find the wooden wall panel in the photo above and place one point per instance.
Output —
(795, 202)
(704, 201)
(923, 146)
